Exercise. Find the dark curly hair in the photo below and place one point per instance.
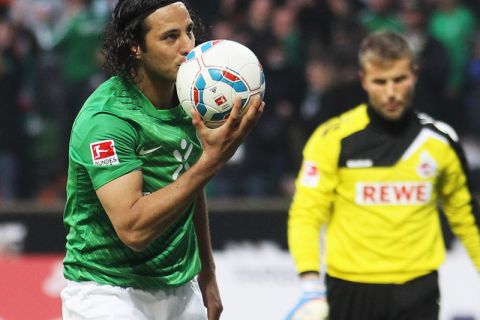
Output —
(127, 29)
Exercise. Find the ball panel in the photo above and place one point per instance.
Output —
(200, 82)
(218, 56)
(252, 74)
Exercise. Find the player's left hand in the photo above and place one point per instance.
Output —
(313, 303)
(211, 294)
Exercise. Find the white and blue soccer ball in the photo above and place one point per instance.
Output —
(213, 74)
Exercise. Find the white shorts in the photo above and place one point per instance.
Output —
(90, 300)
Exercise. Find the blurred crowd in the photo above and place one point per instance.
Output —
(50, 61)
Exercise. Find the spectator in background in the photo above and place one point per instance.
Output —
(256, 26)
(11, 118)
(314, 20)
(472, 101)
(320, 77)
(78, 41)
(28, 52)
(346, 90)
(380, 15)
(453, 25)
(433, 62)
(472, 106)
(284, 30)
(374, 177)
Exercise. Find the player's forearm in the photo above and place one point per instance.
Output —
(153, 214)
(303, 242)
(202, 230)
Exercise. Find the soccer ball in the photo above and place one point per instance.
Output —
(213, 74)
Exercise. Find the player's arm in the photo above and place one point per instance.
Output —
(312, 201)
(139, 219)
(461, 208)
(207, 279)
(310, 209)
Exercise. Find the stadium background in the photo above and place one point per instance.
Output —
(308, 50)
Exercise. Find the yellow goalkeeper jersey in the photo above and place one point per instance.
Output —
(377, 186)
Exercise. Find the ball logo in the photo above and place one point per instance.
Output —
(220, 100)
(104, 153)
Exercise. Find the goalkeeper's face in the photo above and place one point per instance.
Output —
(389, 85)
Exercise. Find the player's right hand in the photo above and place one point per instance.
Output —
(220, 144)
(312, 304)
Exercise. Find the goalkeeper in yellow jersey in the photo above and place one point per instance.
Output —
(374, 177)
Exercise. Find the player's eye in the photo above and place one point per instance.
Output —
(400, 79)
(190, 30)
(170, 36)
(379, 82)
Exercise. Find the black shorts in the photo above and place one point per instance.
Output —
(417, 299)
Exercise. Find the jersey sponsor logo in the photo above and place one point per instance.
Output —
(393, 193)
(104, 153)
(427, 167)
(144, 151)
(311, 175)
(359, 163)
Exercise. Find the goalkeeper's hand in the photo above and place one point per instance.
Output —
(313, 303)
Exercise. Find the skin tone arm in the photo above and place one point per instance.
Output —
(139, 219)
(206, 278)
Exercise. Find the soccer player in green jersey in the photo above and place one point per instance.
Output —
(138, 244)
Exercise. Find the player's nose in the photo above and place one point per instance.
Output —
(186, 44)
(390, 89)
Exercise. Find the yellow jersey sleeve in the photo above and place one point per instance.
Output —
(315, 192)
(458, 204)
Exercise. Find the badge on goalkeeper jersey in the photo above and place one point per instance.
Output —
(310, 174)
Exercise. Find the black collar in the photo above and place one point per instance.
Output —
(391, 126)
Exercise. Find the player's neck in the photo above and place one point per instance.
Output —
(159, 94)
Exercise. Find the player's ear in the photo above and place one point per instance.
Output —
(415, 68)
(361, 77)
(136, 50)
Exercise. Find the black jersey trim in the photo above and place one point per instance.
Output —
(377, 146)
(452, 138)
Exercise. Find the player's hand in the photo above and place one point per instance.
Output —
(211, 295)
(313, 303)
(220, 144)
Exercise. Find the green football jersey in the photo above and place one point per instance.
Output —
(118, 131)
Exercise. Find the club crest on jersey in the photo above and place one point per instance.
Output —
(104, 153)
(393, 193)
(310, 175)
(427, 167)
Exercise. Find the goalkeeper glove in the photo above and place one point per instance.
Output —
(313, 303)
